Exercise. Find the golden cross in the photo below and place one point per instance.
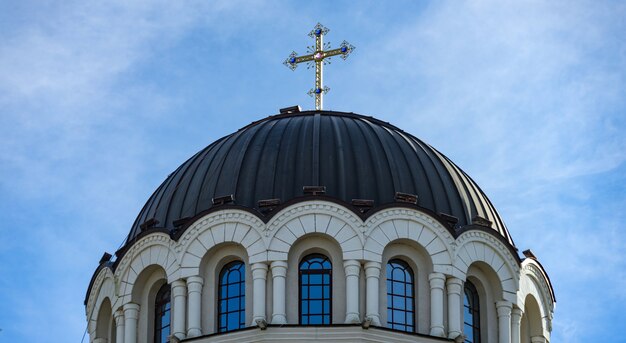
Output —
(319, 55)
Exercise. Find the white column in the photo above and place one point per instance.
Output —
(504, 321)
(100, 340)
(454, 287)
(119, 325)
(259, 276)
(437, 281)
(279, 293)
(352, 269)
(516, 318)
(131, 315)
(194, 306)
(538, 339)
(372, 276)
(179, 293)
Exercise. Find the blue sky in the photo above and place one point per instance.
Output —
(99, 102)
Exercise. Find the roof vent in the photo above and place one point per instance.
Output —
(478, 220)
(450, 219)
(148, 224)
(223, 200)
(314, 190)
(529, 254)
(181, 221)
(363, 205)
(105, 258)
(266, 205)
(292, 109)
(406, 197)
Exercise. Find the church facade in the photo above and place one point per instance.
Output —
(319, 226)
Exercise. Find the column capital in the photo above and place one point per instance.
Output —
(454, 285)
(504, 308)
(196, 279)
(436, 280)
(279, 268)
(517, 313)
(131, 310)
(538, 339)
(179, 288)
(259, 271)
(372, 269)
(119, 314)
(352, 267)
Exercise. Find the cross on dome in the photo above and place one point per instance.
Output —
(319, 55)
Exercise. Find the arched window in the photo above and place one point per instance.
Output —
(162, 307)
(315, 273)
(232, 297)
(400, 296)
(471, 314)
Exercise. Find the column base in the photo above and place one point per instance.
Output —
(437, 331)
(352, 318)
(454, 334)
(194, 333)
(279, 319)
(375, 319)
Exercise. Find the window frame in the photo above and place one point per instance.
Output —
(473, 308)
(241, 295)
(407, 269)
(328, 272)
(159, 302)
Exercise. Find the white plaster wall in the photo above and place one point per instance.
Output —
(489, 292)
(304, 227)
(212, 263)
(420, 263)
(310, 244)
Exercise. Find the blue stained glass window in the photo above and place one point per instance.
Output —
(232, 297)
(162, 307)
(315, 273)
(471, 314)
(400, 296)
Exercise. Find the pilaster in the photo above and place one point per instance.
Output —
(352, 269)
(194, 308)
(504, 321)
(279, 294)
(259, 277)
(437, 281)
(131, 315)
(372, 277)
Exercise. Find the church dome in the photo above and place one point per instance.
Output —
(350, 155)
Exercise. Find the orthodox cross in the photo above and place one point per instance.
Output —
(319, 55)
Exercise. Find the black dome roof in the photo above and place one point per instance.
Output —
(353, 156)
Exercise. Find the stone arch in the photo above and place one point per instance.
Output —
(398, 223)
(152, 250)
(316, 243)
(104, 321)
(531, 325)
(489, 287)
(478, 246)
(318, 217)
(210, 267)
(421, 266)
(103, 287)
(230, 226)
(535, 282)
(143, 293)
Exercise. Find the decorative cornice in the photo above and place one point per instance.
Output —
(489, 239)
(213, 219)
(157, 238)
(395, 213)
(535, 272)
(313, 207)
